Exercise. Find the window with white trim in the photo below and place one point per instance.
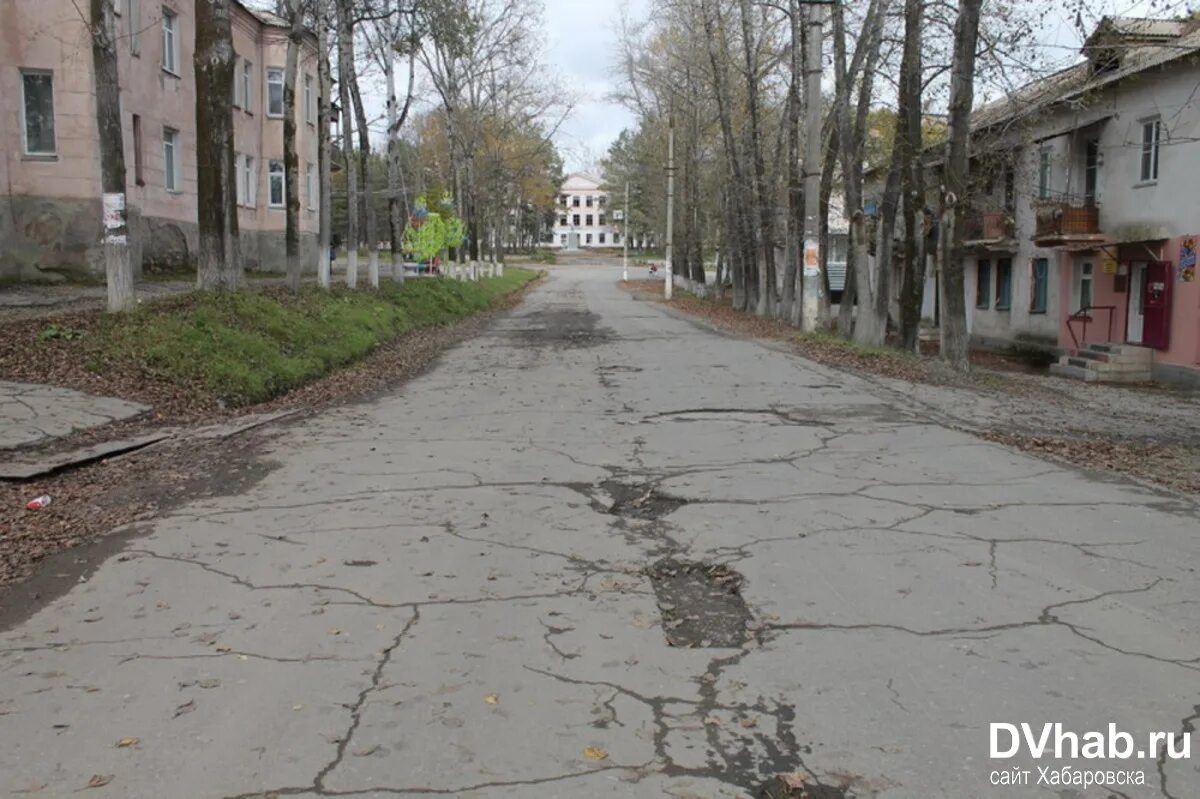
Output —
(171, 179)
(170, 41)
(275, 180)
(309, 106)
(247, 85)
(310, 173)
(250, 178)
(1151, 139)
(133, 11)
(37, 112)
(274, 92)
(1044, 173)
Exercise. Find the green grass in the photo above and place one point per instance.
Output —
(247, 347)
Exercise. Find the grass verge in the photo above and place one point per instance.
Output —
(248, 347)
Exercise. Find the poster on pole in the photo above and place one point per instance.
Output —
(812, 258)
(114, 217)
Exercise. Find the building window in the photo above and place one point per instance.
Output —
(1041, 269)
(562, 200)
(1083, 286)
(562, 221)
(983, 284)
(170, 41)
(310, 173)
(563, 239)
(249, 182)
(275, 193)
(308, 99)
(589, 219)
(1003, 284)
(616, 238)
(239, 179)
(274, 92)
(1091, 171)
(248, 86)
(1151, 135)
(171, 159)
(133, 12)
(588, 238)
(575, 201)
(1010, 189)
(601, 238)
(589, 201)
(603, 220)
(600, 200)
(138, 176)
(37, 111)
(1043, 174)
(575, 220)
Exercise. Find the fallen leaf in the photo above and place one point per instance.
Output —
(367, 752)
(748, 723)
(186, 707)
(712, 721)
(492, 699)
(125, 743)
(595, 753)
(99, 780)
(795, 780)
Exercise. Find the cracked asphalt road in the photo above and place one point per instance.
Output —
(446, 591)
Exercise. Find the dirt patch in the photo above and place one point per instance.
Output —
(640, 501)
(741, 416)
(566, 328)
(701, 604)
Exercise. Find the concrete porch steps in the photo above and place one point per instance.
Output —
(1110, 363)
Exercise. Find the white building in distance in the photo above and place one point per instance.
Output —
(583, 218)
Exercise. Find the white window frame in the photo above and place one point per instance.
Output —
(310, 178)
(133, 9)
(271, 173)
(251, 179)
(248, 86)
(53, 116)
(1151, 147)
(268, 73)
(172, 174)
(1084, 272)
(170, 41)
(308, 98)
(239, 181)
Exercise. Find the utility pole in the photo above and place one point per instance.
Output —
(670, 204)
(625, 237)
(811, 280)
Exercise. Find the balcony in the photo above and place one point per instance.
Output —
(1066, 223)
(989, 230)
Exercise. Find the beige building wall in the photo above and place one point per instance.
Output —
(50, 205)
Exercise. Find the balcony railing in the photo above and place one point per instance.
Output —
(1062, 221)
(988, 226)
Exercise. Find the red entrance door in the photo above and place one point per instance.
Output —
(1156, 305)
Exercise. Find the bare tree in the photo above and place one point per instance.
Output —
(291, 161)
(118, 267)
(345, 50)
(219, 264)
(324, 148)
(954, 337)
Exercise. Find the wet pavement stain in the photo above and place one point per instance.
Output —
(563, 329)
(779, 788)
(701, 604)
(640, 501)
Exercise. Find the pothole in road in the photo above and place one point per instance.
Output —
(701, 604)
(785, 788)
(739, 415)
(640, 501)
(568, 328)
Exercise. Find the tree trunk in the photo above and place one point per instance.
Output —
(954, 337)
(395, 215)
(118, 267)
(345, 76)
(324, 152)
(219, 265)
(762, 205)
(364, 169)
(291, 161)
(912, 280)
(791, 305)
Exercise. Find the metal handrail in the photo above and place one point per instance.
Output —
(1083, 315)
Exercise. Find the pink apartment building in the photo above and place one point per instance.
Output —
(50, 214)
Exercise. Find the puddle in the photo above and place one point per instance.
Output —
(565, 329)
(701, 604)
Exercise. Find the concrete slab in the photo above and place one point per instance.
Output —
(32, 414)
